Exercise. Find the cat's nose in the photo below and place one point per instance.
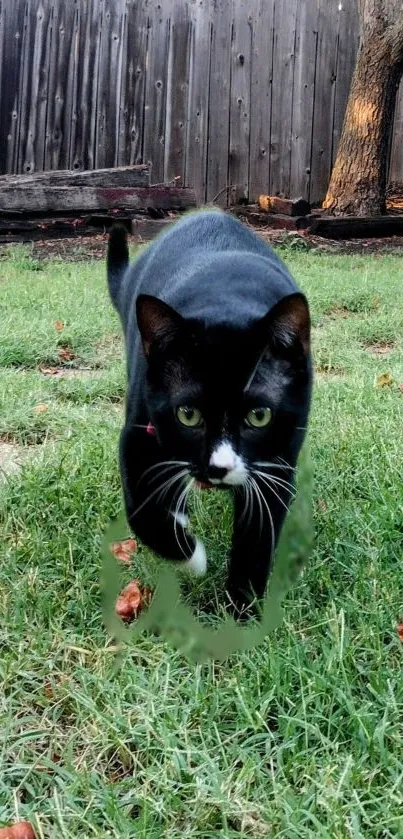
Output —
(217, 472)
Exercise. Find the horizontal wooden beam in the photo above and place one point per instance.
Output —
(43, 199)
(125, 176)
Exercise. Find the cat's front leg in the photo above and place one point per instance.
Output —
(152, 489)
(258, 517)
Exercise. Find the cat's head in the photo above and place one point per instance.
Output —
(222, 398)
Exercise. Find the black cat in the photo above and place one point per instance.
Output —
(219, 386)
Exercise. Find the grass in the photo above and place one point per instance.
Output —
(300, 738)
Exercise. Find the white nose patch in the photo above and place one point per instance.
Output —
(224, 457)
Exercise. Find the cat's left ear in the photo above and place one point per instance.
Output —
(156, 321)
(288, 325)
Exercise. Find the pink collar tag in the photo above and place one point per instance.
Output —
(151, 429)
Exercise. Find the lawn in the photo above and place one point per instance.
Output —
(302, 737)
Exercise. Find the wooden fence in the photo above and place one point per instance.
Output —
(233, 97)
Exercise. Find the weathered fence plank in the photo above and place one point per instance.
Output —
(396, 155)
(261, 98)
(177, 96)
(323, 115)
(110, 81)
(199, 90)
(12, 26)
(59, 111)
(219, 101)
(303, 98)
(133, 84)
(240, 106)
(155, 93)
(346, 54)
(285, 19)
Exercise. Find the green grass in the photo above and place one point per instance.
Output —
(301, 737)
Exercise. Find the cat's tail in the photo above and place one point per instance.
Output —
(117, 261)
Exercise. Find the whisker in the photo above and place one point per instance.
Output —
(270, 465)
(164, 463)
(281, 482)
(270, 487)
(259, 491)
(160, 489)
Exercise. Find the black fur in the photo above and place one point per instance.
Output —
(212, 320)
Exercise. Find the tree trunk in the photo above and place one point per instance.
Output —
(358, 182)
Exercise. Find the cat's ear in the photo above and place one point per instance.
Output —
(156, 320)
(288, 325)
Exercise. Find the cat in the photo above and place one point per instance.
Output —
(219, 374)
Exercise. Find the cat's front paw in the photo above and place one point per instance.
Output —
(198, 561)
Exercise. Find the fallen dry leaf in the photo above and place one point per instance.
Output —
(41, 409)
(66, 354)
(132, 600)
(123, 551)
(400, 631)
(385, 380)
(59, 325)
(20, 830)
(401, 387)
(322, 505)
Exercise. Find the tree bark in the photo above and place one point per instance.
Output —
(358, 182)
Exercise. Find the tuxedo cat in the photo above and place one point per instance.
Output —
(219, 385)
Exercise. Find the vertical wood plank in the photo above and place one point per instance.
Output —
(240, 99)
(347, 49)
(12, 25)
(199, 85)
(133, 83)
(82, 153)
(219, 97)
(303, 98)
(177, 95)
(32, 152)
(59, 103)
(109, 88)
(282, 104)
(155, 93)
(25, 81)
(261, 99)
(323, 116)
(396, 155)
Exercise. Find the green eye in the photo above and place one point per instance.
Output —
(258, 417)
(190, 417)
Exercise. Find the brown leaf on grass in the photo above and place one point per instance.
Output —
(123, 551)
(50, 686)
(385, 380)
(132, 600)
(401, 387)
(322, 505)
(41, 409)
(400, 631)
(66, 354)
(20, 830)
(59, 325)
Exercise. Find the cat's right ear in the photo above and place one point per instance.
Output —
(156, 321)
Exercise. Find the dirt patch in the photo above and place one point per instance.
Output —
(379, 348)
(339, 312)
(12, 458)
(329, 371)
(65, 372)
(26, 438)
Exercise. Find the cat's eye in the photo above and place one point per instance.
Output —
(190, 417)
(258, 417)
